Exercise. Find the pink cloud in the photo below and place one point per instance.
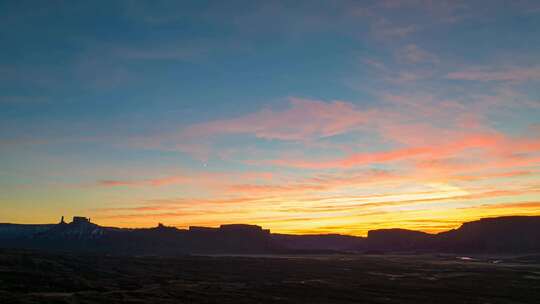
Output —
(481, 141)
(414, 124)
(303, 120)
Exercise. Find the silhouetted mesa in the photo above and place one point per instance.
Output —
(319, 243)
(79, 220)
(399, 240)
(511, 234)
(515, 234)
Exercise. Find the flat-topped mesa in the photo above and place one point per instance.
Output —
(240, 227)
(398, 239)
(243, 228)
(78, 220)
(503, 222)
(202, 229)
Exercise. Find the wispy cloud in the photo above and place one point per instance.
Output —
(412, 53)
(304, 119)
(213, 179)
(362, 212)
(511, 74)
(494, 147)
(157, 182)
(384, 30)
(160, 52)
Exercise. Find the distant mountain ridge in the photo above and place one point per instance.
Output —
(510, 234)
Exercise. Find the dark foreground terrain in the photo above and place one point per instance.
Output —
(31, 277)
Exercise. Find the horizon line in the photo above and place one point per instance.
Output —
(220, 226)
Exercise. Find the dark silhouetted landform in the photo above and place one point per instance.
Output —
(512, 234)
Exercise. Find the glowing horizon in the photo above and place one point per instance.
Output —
(299, 117)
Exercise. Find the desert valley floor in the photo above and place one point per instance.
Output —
(33, 277)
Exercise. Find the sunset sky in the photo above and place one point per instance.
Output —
(299, 116)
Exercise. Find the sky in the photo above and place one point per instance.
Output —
(299, 116)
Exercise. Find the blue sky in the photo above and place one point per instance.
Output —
(110, 107)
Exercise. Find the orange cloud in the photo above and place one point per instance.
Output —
(481, 141)
(282, 207)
